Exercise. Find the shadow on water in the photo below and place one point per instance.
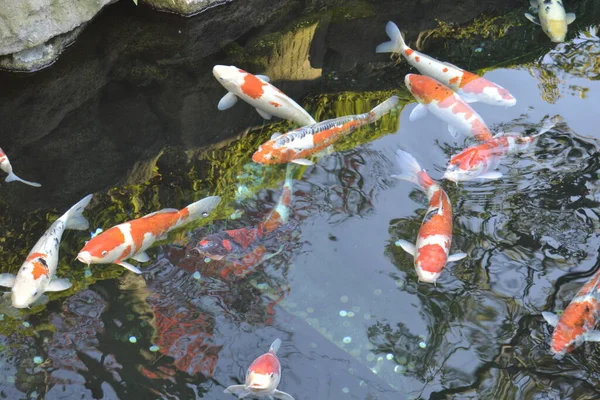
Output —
(129, 114)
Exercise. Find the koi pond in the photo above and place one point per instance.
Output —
(129, 114)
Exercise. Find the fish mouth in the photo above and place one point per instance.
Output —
(85, 257)
(426, 276)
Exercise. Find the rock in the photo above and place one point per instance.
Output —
(185, 7)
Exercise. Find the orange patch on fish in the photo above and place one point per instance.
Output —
(445, 69)
(431, 258)
(252, 86)
(428, 89)
(125, 254)
(452, 81)
(417, 58)
(577, 318)
(106, 241)
(408, 52)
(275, 104)
(155, 225)
(36, 255)
(39, 269)
(265, 364)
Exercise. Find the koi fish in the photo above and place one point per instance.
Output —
(552, 18)
(37, 274)
(435, 235)
(469, 86)
(479, 162)
(296, 145)
(262, 377)
(131, 239)
(577, 322)
(259, 93)
(442, 102)
(6, 167)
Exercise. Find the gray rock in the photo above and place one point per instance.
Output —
(184, 7)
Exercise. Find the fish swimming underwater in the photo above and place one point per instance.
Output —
(131, 239)
(577, 322)
(469, 86)
(262, 377)
(552, 18)
(435, 235)
(259, 93)
(442, 102)
(296, 145)
(479, 162)
(37, 274)
(6, 167)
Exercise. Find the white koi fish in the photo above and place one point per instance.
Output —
(442, 102)
(6, 167)
(469, 86)
(431, 252)
(263, 377)
(552, 18)
(131, 239)
(259, 93)
(37, 274)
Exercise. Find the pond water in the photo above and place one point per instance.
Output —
(129, 113)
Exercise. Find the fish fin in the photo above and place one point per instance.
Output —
(592, 336)
(533, 3)
(409, 167)
(275, 346)
(130, 267)
(74, 217)
(278, 394)
(141, 257)
(551, 318)
(58, 285)
(468, 97)
(276, 135)
(491, 175)
(13, 177)
(264, 114)
(164, 210)
(407, 247)
(302, 161)
(570, 18)
(239, 390)
(263, 77)
(396, 43)
(532, 18)
(453, 131)
(7, 280)
(227, 101)
(383, 108)
(201, 208)
(456, 257)
(418, 112)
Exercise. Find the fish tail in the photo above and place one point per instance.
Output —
(239, 390)
(383, 108)
(396, 43)
(74, 218)
(411, 171)
(13, 177)
(201, 208)
(281, 212)
(275, 346)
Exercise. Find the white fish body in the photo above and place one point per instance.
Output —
(6, 167)
(552, 18)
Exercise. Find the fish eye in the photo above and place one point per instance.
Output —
(272, 374)
(104, 252)
(35, 293)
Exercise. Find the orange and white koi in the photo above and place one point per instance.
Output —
(259, 93)
(442, 102)
(435, 235)
(479, 162)
(263, 377)
(577, 322)
(469, 86)
(296, 145)
(132, 239)
(552, 18)
(37, 274)
(6, 167)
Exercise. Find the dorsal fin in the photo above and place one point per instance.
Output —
(164, 210)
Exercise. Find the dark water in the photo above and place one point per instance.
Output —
(129, 114)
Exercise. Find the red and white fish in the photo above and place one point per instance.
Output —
(6, 167)
(442, 102)
(431, 252)
(295, 146)
(259, 93)
(37, 274)
(552, 18)
(479, 162)
(577, 322)
(469, 86)
(263, 377)
(131, 239)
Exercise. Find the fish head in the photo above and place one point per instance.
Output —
(571, 330)
(105, 248)
(229, 76)
(427, 276)
(27, 290)
(426, 89)
(455, 173)
(264, 373)
(212, 246)
(556, 29)
(498, 96)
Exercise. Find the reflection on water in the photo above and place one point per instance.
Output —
(354, 321)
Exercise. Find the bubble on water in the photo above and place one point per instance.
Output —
(26, 324)
(399, 369)
(207, 260)
(236, 214)
(390, 356)
(38, 360)
(197, 275)
(350, 314)
(347, 339)
(422, 345)
(87, 273)
(345, 390)
(377, 292)
(362, 384)
(402, 360)
(132, 339)
(154, 348)
(370, 357)
(344, 299)
(310, 310)
(343, 313)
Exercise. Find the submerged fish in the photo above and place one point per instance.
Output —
(131, 239)
(300, 143)
(259, 93)
(469, 86)
(442, 102)
(479, 162)
(552, 18)
(6, 167)
(435, 235)
(37, 274)
(577, 322)
(262, 377)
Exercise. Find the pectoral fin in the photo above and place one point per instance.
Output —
(532, 18)
(278, 394)
(551, 318)
(239, 390)
(570, 18)
(592, 336)
(130, 267)
(302, 161)
(453, 131)
(227, 101)
(263, 114)
(58, 285)
(456, 257)
(533, 4)
(141, 257)
(468, 97)
(7, 280)
(263, 77)
(491, 175)
(418, 112)
(407, 247)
